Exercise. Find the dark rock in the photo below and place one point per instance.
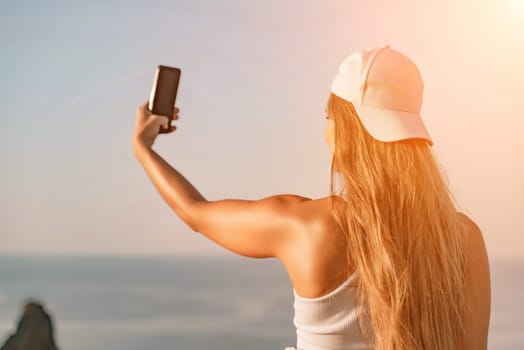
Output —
(34, 330)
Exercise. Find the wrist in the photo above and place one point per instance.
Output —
(139, 147)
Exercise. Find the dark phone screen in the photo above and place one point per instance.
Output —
(165, 92)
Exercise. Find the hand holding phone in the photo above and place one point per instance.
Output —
(163, 93)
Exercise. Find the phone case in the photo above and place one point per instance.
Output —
(163, 93)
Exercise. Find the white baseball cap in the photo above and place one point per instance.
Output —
(386, 89)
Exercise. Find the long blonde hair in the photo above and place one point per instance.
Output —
(403, 234)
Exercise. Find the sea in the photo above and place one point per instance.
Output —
(190, 302)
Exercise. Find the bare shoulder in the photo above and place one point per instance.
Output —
(303, 208)
(289, 198)
(315, 214)
(478, 287)
(475, 244)
(316, 262)
(474, 228)
(291, 205)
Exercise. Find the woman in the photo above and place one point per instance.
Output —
(387, 262)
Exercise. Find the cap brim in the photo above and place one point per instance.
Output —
(387, 125)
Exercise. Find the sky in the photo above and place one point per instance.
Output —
(253, 89)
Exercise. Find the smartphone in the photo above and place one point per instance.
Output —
(163, 93)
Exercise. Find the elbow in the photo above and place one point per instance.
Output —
(192, 225)
(189, 220)
(191, 217)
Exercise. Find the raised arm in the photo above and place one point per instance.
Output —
(179, 194)
(261, 228)
(174, 188)
(253, 228)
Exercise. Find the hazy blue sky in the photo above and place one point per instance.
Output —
(255, 81)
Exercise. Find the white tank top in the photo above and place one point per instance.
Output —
(329, 322)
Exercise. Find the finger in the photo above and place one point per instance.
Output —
(172, 128)
(155, 119)
(166, 123)
(161, 120)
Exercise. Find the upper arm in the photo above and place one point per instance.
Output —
(253, 228)
(478, 288)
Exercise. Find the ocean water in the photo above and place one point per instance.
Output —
(190, 302)
(153, 303)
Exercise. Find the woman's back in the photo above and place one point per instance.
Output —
(317, 265)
